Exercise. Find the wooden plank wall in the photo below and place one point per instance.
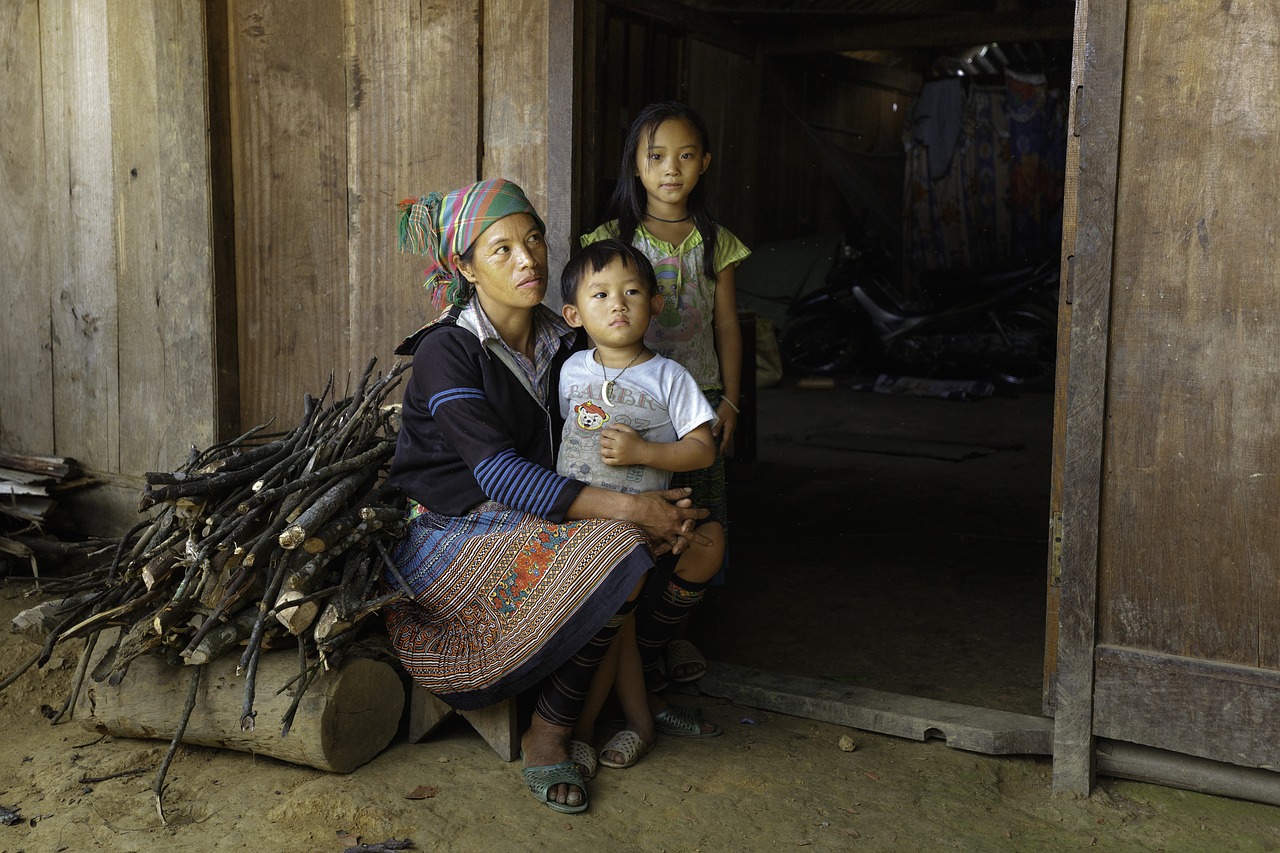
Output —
(328, 113)
(1171, 567)
(105, 352)
(1190, 553)
(340, 109)
(26, 345)
(1191, 546)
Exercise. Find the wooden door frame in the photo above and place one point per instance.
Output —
(564, 44)
(1097, 89)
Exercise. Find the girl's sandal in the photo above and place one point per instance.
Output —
(655, 678)
(627, 744)
(683, 722)
(584, 758)
(684, 654)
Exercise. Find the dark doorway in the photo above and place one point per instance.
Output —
(892, 542)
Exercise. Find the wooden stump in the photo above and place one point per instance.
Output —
(345, 718)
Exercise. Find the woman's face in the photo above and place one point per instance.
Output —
(509, 265)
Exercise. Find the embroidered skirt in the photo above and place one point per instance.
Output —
(502, 598)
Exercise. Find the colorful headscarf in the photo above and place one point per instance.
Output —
(443, 227)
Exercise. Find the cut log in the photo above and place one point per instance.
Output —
(346, 717)
(232, 632)
(58, 467)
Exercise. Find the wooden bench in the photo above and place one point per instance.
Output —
(497, 724)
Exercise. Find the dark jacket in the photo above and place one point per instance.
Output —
(472, 431)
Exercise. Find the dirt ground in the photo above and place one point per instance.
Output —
(932, 573)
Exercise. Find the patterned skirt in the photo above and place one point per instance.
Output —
(502, 598)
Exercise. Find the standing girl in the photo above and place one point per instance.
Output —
(659, 207)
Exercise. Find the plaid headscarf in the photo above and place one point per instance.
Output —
(443, 227)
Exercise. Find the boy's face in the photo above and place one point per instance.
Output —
(614, 305)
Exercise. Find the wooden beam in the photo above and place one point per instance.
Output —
(564, 45)
(1070, 211)
(962, 726)
(870, 73)
(1220, 711)
(1161, 767)
(226, 349)
(963, 28)
(1097, 86)
(694, 23)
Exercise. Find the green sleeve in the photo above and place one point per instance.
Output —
(729, 249)
(605, 231)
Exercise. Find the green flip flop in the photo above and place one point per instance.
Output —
(539, 780)
(683, 722)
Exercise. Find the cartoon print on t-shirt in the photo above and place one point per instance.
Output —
(667, 272)
(590, 416)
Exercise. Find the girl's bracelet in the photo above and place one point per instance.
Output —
(731, 405)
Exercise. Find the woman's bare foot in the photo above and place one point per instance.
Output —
(545, 744)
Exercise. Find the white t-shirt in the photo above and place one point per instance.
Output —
(658, 399)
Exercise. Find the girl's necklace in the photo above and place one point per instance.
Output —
(607, 390)
(660, 219)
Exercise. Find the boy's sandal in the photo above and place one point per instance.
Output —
(655, 678)
(682, 653)
(627, 744)
(540, 780)
(683, 722)
(584, 758)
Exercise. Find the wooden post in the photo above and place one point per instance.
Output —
(1098, 92)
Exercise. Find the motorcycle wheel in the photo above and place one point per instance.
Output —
(819, 345)
(1033, 332)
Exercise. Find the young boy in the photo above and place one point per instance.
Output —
(632, 417)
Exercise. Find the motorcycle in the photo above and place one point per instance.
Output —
(997, 325)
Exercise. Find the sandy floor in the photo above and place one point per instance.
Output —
(937, 568)
(771, 783)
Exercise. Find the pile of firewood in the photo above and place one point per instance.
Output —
(31, 531)
(267, 539)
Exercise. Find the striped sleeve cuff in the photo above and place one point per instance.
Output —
(509, 479)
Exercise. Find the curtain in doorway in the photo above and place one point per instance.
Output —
(984, 175)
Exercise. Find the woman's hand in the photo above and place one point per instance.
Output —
(725, 427)
(669, 519)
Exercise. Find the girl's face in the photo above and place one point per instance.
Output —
(670, 165)
(509, 265)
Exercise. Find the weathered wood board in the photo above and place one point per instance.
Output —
(961, 726)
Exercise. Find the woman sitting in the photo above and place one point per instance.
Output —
(521, 577)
